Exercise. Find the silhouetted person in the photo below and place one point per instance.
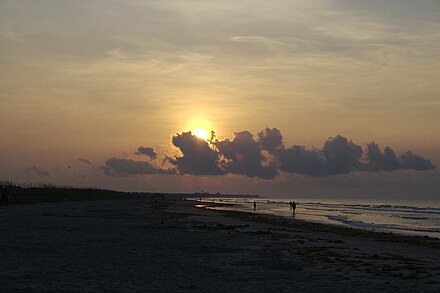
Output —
(290, 204)
(255, 205)
(293, 207)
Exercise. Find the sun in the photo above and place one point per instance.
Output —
(200, 133)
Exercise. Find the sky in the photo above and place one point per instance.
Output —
(105, 92)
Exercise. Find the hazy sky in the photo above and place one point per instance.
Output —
(94, 80)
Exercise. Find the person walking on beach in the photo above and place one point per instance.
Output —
(255, 205)
(293, 207)
(290, 204)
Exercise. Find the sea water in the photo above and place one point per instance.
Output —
(403, 217)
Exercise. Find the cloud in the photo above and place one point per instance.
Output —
(389, 161)
(147, 151)
(338, 156)
(85, 161)
(11, 35)
(244, 155)
(342, 156)
(36, 170)
(257, 40)
(414, 162)
(198, 158)
(298, 159)
(270, 139)
(377, 160)
(126, 167)
(265, 156)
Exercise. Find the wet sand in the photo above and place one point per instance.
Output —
(134, 245)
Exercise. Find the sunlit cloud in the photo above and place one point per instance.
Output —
(265, 156)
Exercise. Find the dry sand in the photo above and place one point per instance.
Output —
(134, 245)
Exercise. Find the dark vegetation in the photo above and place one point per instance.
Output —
(14, 193)
(24, 193)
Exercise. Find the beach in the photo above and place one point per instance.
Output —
(407, 217)
(184, 246)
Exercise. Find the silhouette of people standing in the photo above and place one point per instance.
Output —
(255, 205)
(293, 207)
(290, 204)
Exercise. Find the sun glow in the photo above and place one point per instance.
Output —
(200, 133)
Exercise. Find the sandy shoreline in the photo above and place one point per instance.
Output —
(314, 226)
(134, 245)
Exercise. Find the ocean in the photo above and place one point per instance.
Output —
(399, 216)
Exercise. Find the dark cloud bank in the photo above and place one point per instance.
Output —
(265, 156)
